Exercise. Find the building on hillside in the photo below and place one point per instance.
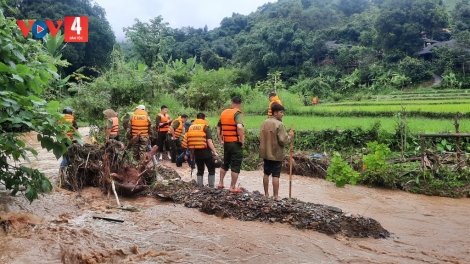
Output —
(429, 44)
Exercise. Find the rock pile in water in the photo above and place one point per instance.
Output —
(253, 206)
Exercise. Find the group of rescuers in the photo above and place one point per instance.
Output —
(192, 140)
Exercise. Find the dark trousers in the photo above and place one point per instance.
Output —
(176, 149)
(162, 140)
(209, 162)
(185, 156)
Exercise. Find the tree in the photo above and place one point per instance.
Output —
(462, 49)
(349, 7)
(461, 15)
(210, 60)
(400, 22)
(25, 71)
(150, 40)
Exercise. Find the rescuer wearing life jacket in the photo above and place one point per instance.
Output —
(273, 98)
(112, 125)
(314, 100)
(67, 114)
(141, 129)
(231, 133)
(176, 131)
(163, 122)
(199, 141)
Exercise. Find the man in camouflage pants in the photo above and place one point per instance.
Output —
(140, 129)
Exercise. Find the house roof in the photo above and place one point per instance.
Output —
(430, 40)
(427, 50)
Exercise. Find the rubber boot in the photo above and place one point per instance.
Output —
(211, 181)
(200, 181)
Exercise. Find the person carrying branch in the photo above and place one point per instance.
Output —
(273, 98)
(140, 129)
(199, 141)
(163, 122)
(273, 138)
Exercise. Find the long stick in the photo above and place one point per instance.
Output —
(290, 162)
(108, 219)
(115, 194)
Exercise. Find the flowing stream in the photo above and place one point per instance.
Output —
(62, 229)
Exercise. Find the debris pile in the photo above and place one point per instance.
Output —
(306, 166)
(253, 206)
(98, 166)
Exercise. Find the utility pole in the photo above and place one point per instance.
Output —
(275, 83)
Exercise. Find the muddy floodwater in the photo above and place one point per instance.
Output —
(59, 227)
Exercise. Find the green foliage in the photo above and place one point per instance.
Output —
(392, 176)
(210, 89)
(25, 72)
(461, 15)
(444, 146)
(312, 87)
(150, 40)
(415, 69)
(340, 172)
(400, 21)
(376, 160)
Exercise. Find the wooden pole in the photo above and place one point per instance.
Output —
(290, 162)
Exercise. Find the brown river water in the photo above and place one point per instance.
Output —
(424, 229)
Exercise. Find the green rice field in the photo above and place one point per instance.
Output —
(416, 125)
(446, 108)
(427, 115)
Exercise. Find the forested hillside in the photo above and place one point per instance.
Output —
(291, 36)
(331, 49)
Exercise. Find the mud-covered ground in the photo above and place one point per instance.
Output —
(59, 227)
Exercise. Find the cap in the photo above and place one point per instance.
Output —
(141, 107)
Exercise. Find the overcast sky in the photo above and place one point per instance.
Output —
(179, 13)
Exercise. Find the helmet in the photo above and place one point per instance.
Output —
(67, 111)
(217, 162)
(141, 107)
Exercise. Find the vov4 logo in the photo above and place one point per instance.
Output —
(75, 28)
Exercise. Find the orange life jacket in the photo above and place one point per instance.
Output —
(140, 123)
(163, 119)
(229, 126)
(314, 100)
(70, 132)
(196, 137)
(179, 129)
(274, 99)
(115, 128)
(184, 144)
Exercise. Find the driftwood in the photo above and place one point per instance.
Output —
(306, 166)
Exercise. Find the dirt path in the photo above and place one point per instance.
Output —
(424, 229)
